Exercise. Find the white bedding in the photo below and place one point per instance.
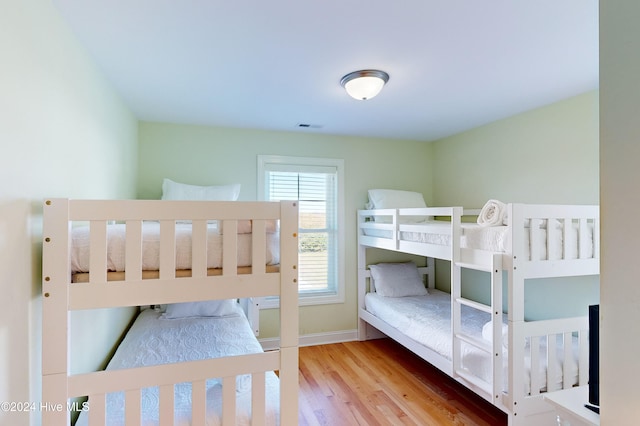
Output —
(431, 237)
(427, 320)
(151, 247)
(498, 239)
(153, 340)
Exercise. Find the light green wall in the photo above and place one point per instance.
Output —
(548, 156)
(620, 175)
(63, 133)
(209, 155)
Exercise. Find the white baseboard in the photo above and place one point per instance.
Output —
(314, 339)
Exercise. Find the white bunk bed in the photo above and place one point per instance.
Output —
(494, 360)
(233, 381)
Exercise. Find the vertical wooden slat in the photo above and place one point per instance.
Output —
(455, 272)
(534, 240)
(98, 251)
(536, 380)
(552, 359)
(166, 406)
(363, 273)
(97, 410)
(258, 404)
(567, 343)
(289, 275)
(199, 248)
(289, 313)
(132, 409)
(167, 249)
(229, 401)
(56, 276)
(431, 277)
(253, 314)
(567, 224)
(552, 239)
(519, 260)
(133, 265)
(54, 393)
(515, 284)
(456, 290)
(198, 403)
(396, 229)
(583, 239)
(289, 386)
(230, 248)
(258, 247)
(496, 316)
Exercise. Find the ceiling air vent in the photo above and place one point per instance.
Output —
(309, 126)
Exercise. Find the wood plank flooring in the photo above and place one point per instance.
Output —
(379, 382)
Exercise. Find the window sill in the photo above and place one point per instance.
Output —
(303, 300)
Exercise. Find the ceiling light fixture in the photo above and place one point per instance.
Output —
(364, 84)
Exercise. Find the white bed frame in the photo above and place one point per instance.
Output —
(60, 297)
(522, 409)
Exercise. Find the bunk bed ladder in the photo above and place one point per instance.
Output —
(490, 391)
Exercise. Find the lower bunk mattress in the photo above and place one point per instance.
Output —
(427, 320)
(154, 340)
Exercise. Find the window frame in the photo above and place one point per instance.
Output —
(311, 298)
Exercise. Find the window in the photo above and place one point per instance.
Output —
(317, 184)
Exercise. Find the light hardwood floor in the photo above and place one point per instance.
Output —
(378, 382)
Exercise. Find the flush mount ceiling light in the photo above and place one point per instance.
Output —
(364, 84)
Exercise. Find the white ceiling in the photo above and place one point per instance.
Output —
(453, 64)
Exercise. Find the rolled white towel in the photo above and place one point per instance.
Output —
(492, 214)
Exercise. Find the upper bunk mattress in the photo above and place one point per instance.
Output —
(153, 340)
(498, 239)
(116, 243)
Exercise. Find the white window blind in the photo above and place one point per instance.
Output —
(316, 187)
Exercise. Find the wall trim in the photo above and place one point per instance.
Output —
(314, 339)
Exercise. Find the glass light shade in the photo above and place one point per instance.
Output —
(366, 84)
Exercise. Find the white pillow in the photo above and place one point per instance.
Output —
(396, 199)
(207, 308)
(397, 279)
(181, 191)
